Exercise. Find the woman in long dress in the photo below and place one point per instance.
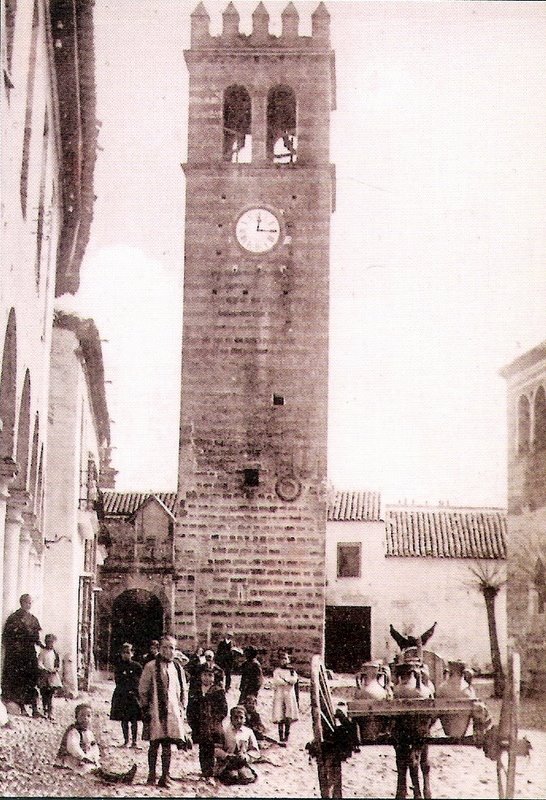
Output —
(285, 705)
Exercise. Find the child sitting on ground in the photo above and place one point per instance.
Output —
(236, 750)
(80, 752)
(254, 721)
(49, 679)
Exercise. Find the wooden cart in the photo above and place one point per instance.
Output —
(335, 737)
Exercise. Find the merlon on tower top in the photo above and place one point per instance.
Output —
(260, 36)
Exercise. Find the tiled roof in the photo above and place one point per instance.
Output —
(124, 504)
(355, 507)
(445, 532)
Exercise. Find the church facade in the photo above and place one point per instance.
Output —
(251, 523)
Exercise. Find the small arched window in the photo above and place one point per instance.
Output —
(524, 424)
(540, 419)
(237, 125)
(282, 140)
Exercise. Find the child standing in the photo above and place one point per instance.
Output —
(285, 705)
(162, 690)
(125, 706)
(49, 678)
(211, 711)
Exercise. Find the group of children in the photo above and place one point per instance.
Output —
(161, 694)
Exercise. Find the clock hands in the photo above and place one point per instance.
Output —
(263, 230)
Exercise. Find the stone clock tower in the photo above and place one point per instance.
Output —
(250, 537)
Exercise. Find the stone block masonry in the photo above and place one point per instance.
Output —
(250, 536)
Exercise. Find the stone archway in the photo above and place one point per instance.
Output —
(137, 617)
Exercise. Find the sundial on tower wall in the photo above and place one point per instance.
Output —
(259, 196)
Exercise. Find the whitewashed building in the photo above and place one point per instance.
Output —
(410, 566)
(77, 455)
(49, 138)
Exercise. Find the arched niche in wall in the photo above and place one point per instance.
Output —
(8, 389)
(540, 419)
(23, 435)
(32, 487)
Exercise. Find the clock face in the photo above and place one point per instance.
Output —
(258, 230)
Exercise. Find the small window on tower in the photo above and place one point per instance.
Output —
(282, 142)
(278, 400)
(348, 560)
(237, 125)
(252, 477)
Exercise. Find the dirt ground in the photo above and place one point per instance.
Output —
(28, 749)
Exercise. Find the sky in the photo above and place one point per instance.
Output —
(438, 246)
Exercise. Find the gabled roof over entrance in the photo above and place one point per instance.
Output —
(125, 504)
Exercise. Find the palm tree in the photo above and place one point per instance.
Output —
(489, 579)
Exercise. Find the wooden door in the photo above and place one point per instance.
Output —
(347, 637)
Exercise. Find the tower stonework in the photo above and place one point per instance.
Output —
(250, 536)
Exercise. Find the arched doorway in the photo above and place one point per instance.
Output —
(137, 617)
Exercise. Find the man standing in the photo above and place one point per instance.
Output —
(161, 693)
(225, 657)
(20, 673)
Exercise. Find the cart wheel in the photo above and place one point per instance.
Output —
(508, 731)
(324, 724)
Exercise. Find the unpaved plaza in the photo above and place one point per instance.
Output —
(28, 750)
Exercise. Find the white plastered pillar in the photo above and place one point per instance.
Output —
(23, 582)
(8, 472)
(17, 502)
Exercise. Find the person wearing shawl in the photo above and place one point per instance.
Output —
(80, 752)
(20, 637)
(162, 691)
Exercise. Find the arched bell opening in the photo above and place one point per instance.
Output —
(282, 140)
(237, 125)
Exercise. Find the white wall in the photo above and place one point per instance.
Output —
(72, 435)
(32, 301)
(412, 593)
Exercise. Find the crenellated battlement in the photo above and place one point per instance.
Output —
(260, 37)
